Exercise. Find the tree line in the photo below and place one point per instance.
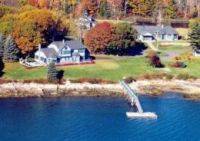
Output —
(120, 8)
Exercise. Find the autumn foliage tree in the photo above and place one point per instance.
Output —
(99, 37)
(91, 6)
(32, 28)
(110, 38)
(116, 6)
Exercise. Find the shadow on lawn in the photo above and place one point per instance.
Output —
(137, 49)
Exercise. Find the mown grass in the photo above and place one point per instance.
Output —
(112, 68)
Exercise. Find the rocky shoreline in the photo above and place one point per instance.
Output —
(189, 89)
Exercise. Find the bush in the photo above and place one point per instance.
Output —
(129, 79)
(185, 76)
(178, 64)
(1, 66)
(154, 60)
(156, 76)
(92, 81)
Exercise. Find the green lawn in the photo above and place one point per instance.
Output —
(110, 67)
(106, 67)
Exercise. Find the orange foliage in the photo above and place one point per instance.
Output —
(98, 38)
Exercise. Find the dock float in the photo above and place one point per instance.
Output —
(133, 97)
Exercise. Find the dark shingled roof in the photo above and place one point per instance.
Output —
(73, 44)
(49, 52)
(155, 29)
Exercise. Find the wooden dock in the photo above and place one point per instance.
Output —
(133, 97)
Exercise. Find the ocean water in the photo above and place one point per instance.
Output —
(98, 119)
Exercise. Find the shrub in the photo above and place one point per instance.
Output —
(129, 79)
(178, 64)
(92, 81)
(156, 76)
(154, 59)
(185, 76)
(1, 66)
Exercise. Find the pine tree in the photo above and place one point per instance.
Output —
(1, 66)
(194, 37)
(103, 9)
(11, 52)
(52, 73)
(1, 45)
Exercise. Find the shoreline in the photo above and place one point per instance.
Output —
(188, 88)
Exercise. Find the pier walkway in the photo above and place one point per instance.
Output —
(135, 101)
(132, 96)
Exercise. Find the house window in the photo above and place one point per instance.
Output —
(36, 57)
(66, 52)
(81, 50)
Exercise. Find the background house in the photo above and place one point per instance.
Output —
(160, 33)
(63, 52)
(86, 21)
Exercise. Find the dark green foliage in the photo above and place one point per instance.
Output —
(194, 36)
(1, 66)
(11, 52)
(103, 9)
(124, 40)
(60, 75)
(2, 39)
(52, 73)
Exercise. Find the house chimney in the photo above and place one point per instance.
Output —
(39, 47)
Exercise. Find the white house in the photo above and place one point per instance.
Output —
(62, 52)
(86, 21)
(159, 33)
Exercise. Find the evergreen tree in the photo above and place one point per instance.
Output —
(1, 45)
(194, 36)
(11, 52)
(1, 66)
(52, 73)
(103, 9)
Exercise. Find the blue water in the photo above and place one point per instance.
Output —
(98, 119)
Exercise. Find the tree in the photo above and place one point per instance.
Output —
(1, 66)
(11, 52)
(142, 7)
(170, 9)
(99, 37)
(43, 3)
(34, 27)
(52, 73)
(194, 36)
(7, 24)
(124, 40)
(91, 6)
(117, 6)
(2, 39)
(103, 9)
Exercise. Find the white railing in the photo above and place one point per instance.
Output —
(133, 96)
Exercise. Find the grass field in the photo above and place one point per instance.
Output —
(111, 67)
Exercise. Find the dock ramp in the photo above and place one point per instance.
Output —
(133, 97)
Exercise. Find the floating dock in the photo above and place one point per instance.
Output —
(133, 97)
